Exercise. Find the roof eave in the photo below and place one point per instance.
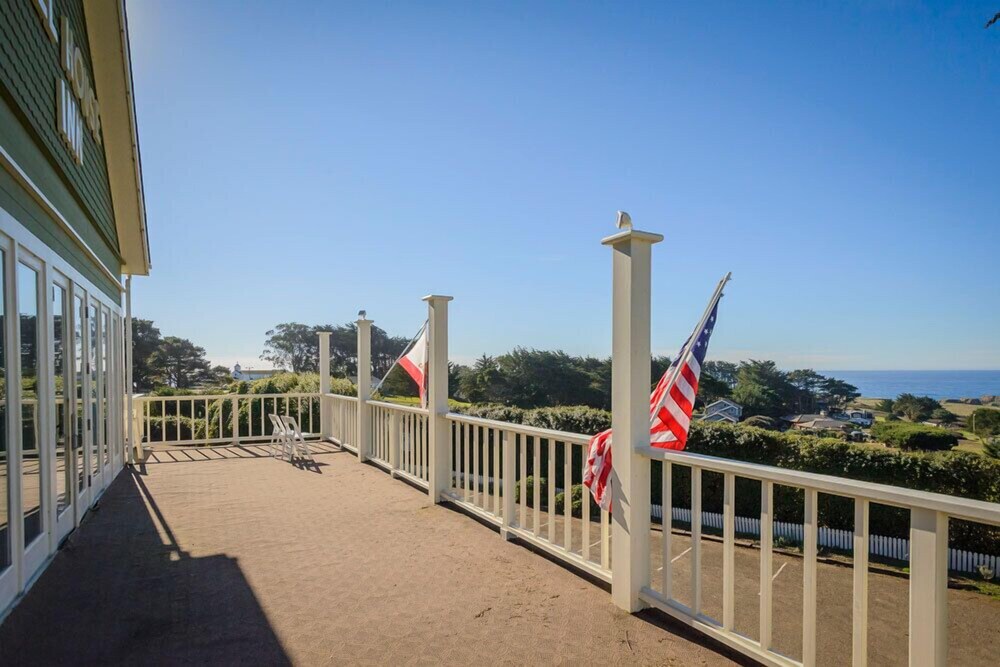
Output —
(107, 28)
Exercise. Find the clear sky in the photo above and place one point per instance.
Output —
(305, 160)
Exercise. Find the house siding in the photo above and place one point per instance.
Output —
(29, 73)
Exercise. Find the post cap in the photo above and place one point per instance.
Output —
(363, 321)
(437, 297)
(632, 235)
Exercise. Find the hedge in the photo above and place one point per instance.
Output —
(914, 437)
(963, 474)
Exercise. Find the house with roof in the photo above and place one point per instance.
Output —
(723, 410)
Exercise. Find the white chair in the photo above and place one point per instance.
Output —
(280, 441)
(295, 437)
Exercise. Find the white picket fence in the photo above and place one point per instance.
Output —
(896, 548)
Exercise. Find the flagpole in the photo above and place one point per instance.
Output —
(403, 354)
(716, 295)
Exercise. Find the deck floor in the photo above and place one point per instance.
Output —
(244, 559)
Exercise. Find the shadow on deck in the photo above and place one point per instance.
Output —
(250, 560)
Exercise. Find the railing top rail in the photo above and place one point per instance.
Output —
(964, 508)
(342, 397)
(188, 397)
(551, 434)
(400, 408)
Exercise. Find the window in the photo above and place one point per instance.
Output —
(31, 460)
(95, 452)
(4, 482)
(61, 381)
(78, 392)
(105, 377)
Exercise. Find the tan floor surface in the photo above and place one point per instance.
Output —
(252, 560)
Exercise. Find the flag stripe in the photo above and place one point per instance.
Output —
(670, 407)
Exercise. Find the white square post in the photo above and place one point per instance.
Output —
(364, 430)
(928, 588)
(630, 386)
(325, 428)
(439, 473)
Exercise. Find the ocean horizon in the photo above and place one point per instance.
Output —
(936, 384)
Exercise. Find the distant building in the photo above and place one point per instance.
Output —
(249, 374)
(723, 410)
(860, 417)
(818, 422)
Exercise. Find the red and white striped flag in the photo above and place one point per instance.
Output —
(670, 406)
(414, 362)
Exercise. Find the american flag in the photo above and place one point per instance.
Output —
(670, 406)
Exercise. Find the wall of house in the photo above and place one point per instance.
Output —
(30, 73)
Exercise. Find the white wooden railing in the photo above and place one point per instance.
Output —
(219, 419)
(929, 516)
(497, 474)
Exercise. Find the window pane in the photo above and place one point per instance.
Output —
(104, 387)
(31, 475)
(61, 380)
(78, 392)
(4, 486)
(95, 454)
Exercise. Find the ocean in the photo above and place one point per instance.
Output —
(936, 384)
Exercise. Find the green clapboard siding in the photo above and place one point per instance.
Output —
(29, 73)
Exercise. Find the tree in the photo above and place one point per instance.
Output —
(763, 389)
(145, 341)
(837, 393)
(914, 408)
(885, 405)
(807, 382)
(944, 416)
(180, 363)
(219, 376)
(293, 345)
(984, 422)
(723, 371)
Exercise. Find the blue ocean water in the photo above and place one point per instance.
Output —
(936, 384)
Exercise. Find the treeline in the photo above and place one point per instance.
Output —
(538, 378)
(529, 378)
(169, 361)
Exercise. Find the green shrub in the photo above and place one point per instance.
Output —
(914, 437)
(984, 422)
(992, 447)
(576, 502)
(543, 491)
(763, 421)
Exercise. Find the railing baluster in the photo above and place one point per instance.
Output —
(667, 512)
(766, 567)
(552, 489)
(509, 477)
(585, 517)
(497, 476)
(695, 541)
(605, 540)
(860, 600)
(729, 552)
(466, 461)
(809, 578)
(536, 486)
(475, 465)
(523, 481)
(568, 496)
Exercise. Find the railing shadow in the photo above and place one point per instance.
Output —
(122, 590)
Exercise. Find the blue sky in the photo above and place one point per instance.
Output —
(305, 160)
